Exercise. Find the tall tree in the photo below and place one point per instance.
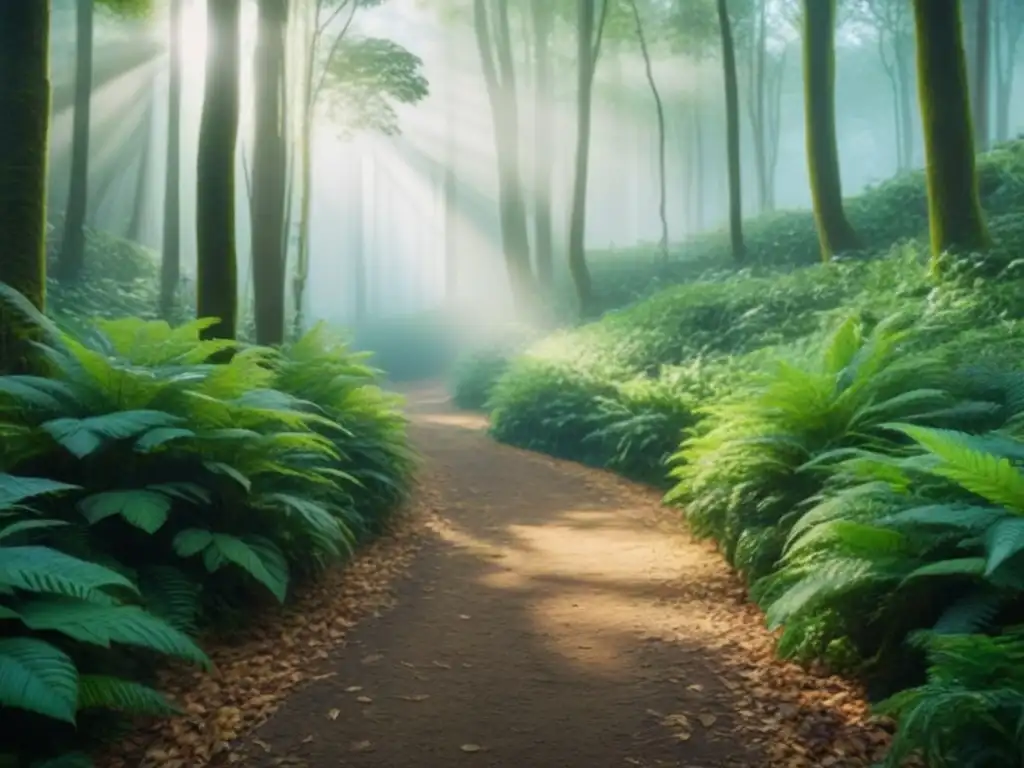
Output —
(170, 257)
(142, 177)
(71, 258)
(1007, 26)
(732, 130)
(24, 129)
(542, 15)
(982, 65)
(362, 75)
(954, 208)
(589, 33)
(659, 111)
(493, 39)
(894, 26)
(216, 270)
(835, 234)
(269, 173)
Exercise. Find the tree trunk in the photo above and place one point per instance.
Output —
(698, 161)
(25, 106)
(71, 259)
(1008, 23)
(982, 50)
(903, 59)
(660, 112)
(773, 126)
(499, 75)
(360, 273)
(216, 269)
(135, 224)
(954, 209)
(834, 231)
(269, 174)
(732, 131)
(170, 259)
(590, 30)
(543, 132)
(451, 187)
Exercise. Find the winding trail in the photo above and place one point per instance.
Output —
(556, 617)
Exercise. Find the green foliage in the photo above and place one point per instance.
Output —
(169, 492)
(366, 75)
(475, 376)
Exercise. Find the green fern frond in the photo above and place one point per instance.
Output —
(38, 677)
(131, 698)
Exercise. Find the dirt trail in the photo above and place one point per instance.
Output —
(555, 618)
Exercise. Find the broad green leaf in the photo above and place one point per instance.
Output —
(145, 509)
(38, 677)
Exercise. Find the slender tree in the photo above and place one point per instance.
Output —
(835, 234)
(141, 201)
(659, 110)
(24, 129)
(589, 33)
(732, 131)
(71, 258)
(216, 270)
(1007, 26)
(542, 14)
(982, 67)
(170, 258)
(493, 39)
(954, 207)
(269, 173)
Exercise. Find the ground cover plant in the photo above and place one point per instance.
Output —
(149, 494)
(849, 435)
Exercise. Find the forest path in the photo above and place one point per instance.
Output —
(556, 617)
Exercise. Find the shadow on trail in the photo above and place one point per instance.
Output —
(548, 622)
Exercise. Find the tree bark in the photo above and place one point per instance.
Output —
(835, 234)
(216, 270)
(269, 174)
(589, 31)
(982, 50)
(360, 272)
(24, 130)
(543, 132)
(698, 162)
(732, 137)
(451, 187)
(71, 260)
(660, 113)
(954, 208)
(170, 258)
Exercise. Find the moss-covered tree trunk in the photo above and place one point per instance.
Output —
(170, 258)
(835, 234)
(543, 132)
(25, 106)
(216, 269)
(269, 173)
(71, 258)
(732, 134)
(954, 209)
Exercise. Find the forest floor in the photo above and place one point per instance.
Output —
(525, 613)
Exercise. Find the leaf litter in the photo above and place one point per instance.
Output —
(797, 718)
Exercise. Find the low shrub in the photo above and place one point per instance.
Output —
(475, 376)
(208, 489)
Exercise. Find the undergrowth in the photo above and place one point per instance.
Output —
(851, 435)
(147, 494)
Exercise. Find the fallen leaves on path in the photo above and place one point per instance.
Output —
(284, 650)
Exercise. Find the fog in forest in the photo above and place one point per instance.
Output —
(404, 220)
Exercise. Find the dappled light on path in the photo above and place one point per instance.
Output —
(558, 617)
